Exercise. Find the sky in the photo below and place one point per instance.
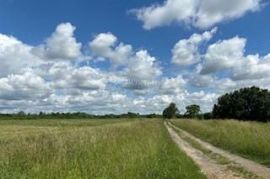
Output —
(116, 56)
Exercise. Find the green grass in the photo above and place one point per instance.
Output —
(61, 122)
(91, 149)
(248, 139)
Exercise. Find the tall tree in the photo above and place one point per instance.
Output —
(246, 104)
(170, 112)
(193, 111)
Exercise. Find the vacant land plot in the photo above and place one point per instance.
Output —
(248, 139)
(91, 149)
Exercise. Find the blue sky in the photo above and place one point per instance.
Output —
(152, 28)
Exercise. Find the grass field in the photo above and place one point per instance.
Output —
(248, 139)
(91, 149)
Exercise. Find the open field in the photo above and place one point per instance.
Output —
(247, 139)
(91, 149)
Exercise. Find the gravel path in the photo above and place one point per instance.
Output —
(209, 167)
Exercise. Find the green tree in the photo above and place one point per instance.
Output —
(245, 104)
(170, 112)
(193, 111)
(21, 113)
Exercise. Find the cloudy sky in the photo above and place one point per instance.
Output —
(115, 56)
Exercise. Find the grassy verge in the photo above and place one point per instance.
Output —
(248, 139)
(131, 149)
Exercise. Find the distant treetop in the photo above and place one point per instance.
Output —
(170, 112)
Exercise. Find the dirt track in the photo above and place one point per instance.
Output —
(253, 167)
(209, 167)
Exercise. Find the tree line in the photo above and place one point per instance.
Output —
(192, 111)
(76, 115)
(251, 104)
(245, 104)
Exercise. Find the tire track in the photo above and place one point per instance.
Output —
(209, 167)
(251, 166)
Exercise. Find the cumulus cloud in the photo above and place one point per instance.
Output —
(172, 85)
(230, 55)
(62, 44)
(223, 55)
(139, 68)
(142, 71)
(198, 80)
(186, 51)
(51, 77)
(198, 13)
(15, 56)
(23, 87)
(211, 12)
(47, 77)
(224, 67)
(172, 10)
(88, 78)
(96, 102)
(252, 67)
(66, 76)
(104, 45)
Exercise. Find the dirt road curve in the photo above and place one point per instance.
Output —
(253, 167)
(209, 167)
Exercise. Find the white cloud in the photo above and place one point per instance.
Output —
(142, 70)
(94, 102)
(139, 69)
(252, 67)
(65, 76)
(198, 80)
(172, 85)
(23, 87)
(202, 98)
(104, 45)
(199, 13)
(43, 78)
(186, 51)
(62, 44)
(211, 12)
(36, 82)
(172, 10)
(15, 56)
(88, 78)
(224, 67)
(229, 55)
(223, 55)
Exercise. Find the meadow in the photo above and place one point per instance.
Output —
(247, 139)
(91, 149)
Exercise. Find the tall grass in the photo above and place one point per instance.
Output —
(130, 149)
(61, 122)
(248, 139)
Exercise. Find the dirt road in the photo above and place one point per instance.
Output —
(251, 166)
(209, 167)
